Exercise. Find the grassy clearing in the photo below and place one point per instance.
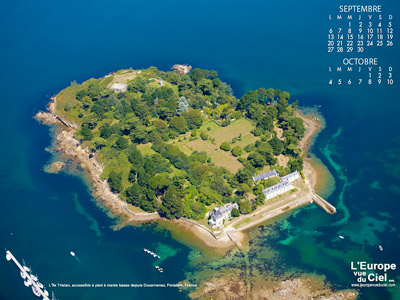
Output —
(210, 124)
(106, 81)
(283, 160)
(226, 134)
(278, 130)
(123, 76)
(245, 140)
(221, 134)
(218, 156)
(146, 149)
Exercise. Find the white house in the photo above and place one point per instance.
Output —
(266, 175)
(277, 189)
(291, 177)
(219, 214)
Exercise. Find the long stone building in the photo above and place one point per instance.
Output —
(291, 177)
(265, 175)
(281, 187)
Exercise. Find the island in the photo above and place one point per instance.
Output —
(178, 145)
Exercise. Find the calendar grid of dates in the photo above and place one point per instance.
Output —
(359, 35)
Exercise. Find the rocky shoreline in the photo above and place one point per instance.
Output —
(69, 147)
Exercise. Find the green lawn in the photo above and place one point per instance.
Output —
(226, 134)
(146, 149)
(106, 81)
(210, 124)
(221, 134)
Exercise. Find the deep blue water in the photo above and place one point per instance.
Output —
(45, 45)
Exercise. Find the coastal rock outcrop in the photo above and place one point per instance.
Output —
(182, 69)
(46, 118)
(52, 119)
(56, 167)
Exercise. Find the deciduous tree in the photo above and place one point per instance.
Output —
(225, 146)
(179, 124)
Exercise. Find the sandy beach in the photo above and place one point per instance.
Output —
(313, 127)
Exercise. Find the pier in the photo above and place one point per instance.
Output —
(9, 256)
(321, 202)
(231, 235)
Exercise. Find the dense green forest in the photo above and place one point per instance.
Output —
(136, 134)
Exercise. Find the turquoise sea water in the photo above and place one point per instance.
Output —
(45, 45)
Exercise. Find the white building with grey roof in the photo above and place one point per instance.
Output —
(219, 214)
(265, 175)
(282, 187)
(277, 189)
(291, 177)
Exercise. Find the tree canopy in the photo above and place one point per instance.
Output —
(137, 135)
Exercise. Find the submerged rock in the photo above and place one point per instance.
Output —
(56, 167)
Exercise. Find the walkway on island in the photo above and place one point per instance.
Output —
(321, 202)
(231, 235)
(268, 212)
